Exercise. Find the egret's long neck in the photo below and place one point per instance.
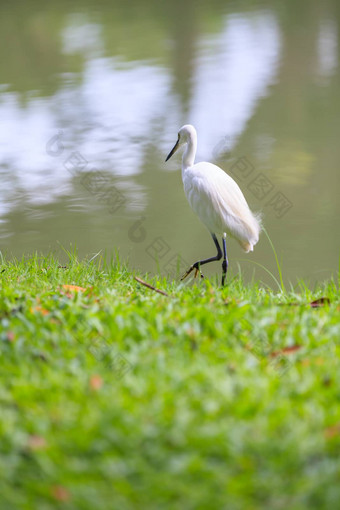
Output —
(189, 152)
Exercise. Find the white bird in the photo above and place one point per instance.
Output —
(217, 200)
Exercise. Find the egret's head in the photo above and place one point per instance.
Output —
(186, 133)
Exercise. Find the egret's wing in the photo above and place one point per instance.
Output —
(220, 204)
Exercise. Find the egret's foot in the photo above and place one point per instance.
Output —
(191, 268)
(198, 271)
(186, 273)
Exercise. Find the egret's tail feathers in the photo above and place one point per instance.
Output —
(258, 217)
(253, 229)
(247, 246)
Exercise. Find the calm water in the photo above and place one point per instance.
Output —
(91, 98)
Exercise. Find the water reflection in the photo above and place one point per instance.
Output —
(117, 83)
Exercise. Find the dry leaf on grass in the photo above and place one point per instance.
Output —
(36, 443)
(332, 431)
(96, 382)
(60, 493)
(74, 288)
(10, 336)
(317, 303)
(70, 290)
(285, 350)
(39, 309)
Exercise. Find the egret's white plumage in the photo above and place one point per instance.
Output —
(219, 203)
(215, 197)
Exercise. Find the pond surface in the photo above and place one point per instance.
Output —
(92, 95)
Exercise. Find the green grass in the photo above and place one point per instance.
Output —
(120, 398)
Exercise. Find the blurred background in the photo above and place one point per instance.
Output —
(92, 95)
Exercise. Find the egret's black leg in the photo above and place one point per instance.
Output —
(200, 263)
(225, 261)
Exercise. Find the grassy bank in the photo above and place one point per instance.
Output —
(114, 396)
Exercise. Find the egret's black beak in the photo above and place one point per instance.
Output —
(173, 150)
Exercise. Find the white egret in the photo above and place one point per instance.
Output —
(217, 200)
